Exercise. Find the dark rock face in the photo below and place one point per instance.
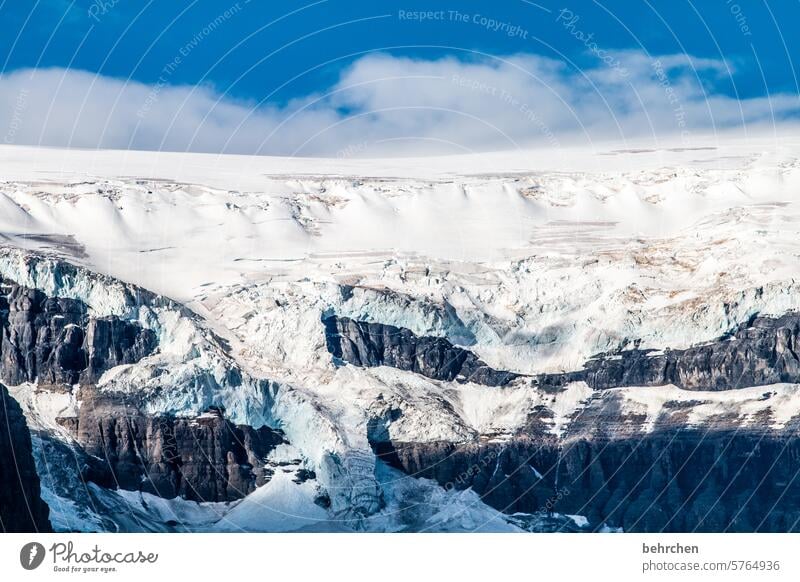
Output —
(763, 351)
(503, 476)
(54, 340)
(374, 344)
(21, 506)
(671, 482)
(201, 459)
(727, 476)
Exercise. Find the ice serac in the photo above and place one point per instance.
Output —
(175, 415)
(366, 344)
(54, 340)
(21, 506)
(205, 458)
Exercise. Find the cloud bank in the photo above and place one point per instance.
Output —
(388, 105)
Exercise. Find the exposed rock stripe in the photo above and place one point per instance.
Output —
(373, 344)
(761, 352)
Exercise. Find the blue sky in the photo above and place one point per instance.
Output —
(427, 75)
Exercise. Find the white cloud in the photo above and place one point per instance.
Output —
(387, 105)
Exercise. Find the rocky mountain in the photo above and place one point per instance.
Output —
(598, 341)
(21, 505)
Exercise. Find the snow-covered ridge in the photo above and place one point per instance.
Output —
(540, 262)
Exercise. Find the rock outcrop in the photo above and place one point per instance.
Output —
(732, 474)
(206, 458)
(54, 341)
(21, 506)
(762, 351)
(374, 344)
(682, 481)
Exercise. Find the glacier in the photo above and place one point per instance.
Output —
(533, 261)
